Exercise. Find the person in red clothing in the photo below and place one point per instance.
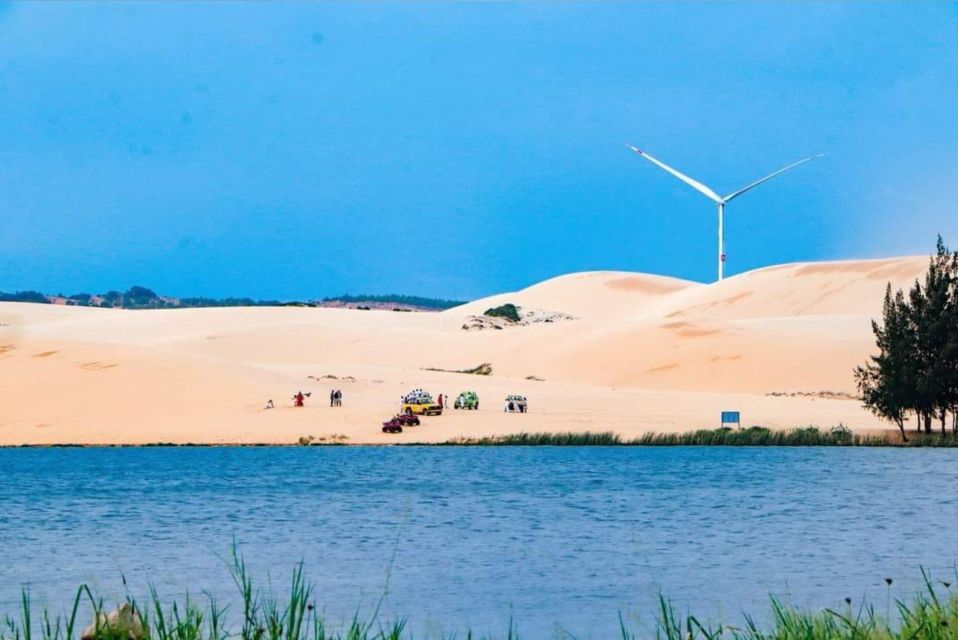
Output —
(299, 399)
(440, 401)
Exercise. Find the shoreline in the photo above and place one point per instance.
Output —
(756, 438)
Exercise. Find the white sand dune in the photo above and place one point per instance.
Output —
(645, 353)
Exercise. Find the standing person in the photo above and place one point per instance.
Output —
(440, 402)
(332, 397)
(299, 399)
(339, 398)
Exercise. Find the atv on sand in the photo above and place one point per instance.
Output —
(407, 420)
(392, 426)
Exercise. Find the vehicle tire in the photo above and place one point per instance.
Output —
(408, 411)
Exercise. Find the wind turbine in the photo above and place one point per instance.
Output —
(701, 188)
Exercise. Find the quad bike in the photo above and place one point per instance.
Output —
(407, 420)
(393, 425)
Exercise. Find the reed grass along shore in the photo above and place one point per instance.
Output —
(724, 437)
(930, 614)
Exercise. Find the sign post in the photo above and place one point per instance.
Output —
(731, 418)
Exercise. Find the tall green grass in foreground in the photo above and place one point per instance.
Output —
(839, 436)
(931, 614)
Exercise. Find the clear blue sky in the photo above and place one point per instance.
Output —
(297, 150)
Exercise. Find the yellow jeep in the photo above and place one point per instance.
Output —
(421, 404)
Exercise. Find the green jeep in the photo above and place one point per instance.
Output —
(467, 400)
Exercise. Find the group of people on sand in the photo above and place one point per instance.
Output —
(299, 400)
(512, 406)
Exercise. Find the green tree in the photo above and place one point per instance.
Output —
(916, 369)
(887, 384)
(949, 355)
(932, 308)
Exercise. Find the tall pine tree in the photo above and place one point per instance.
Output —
(916, 369)
(931, 307)
(887, 384)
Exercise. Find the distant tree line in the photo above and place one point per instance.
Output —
(139, 297)
(24, 296)
(915, 373)
(393, 298)
(232, 302)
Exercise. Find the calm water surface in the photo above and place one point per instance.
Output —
(559, 537)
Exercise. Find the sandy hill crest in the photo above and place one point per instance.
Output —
(590, 294)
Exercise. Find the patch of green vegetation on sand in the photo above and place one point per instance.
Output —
(508, 311)
(484, 369)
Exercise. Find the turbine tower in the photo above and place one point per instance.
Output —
(701, 188)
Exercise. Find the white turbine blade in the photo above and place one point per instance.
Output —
(770, 176)
(695, 184)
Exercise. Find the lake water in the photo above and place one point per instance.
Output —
(557, 537)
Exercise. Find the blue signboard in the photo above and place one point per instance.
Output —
(731, 417)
